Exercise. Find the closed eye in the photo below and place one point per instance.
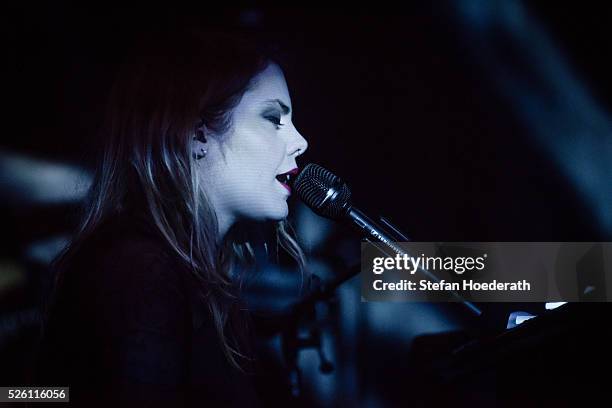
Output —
(274, 119)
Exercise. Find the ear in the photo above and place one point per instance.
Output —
(199, 146)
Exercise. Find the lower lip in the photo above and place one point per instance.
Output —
(286, 186)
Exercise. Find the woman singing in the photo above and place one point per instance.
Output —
(199, 141)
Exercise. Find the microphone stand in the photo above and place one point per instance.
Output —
(293, 342)
(383, 241)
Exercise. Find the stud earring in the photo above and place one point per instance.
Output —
(202, 138)
(200, 155)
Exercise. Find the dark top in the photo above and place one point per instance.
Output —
(129, 330)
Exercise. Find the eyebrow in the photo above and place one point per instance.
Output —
(286, 110)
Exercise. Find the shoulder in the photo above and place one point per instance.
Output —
(126, 271)
(124, 262)
(127, 247)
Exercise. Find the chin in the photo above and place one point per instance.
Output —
(279, 214)
(276, 213)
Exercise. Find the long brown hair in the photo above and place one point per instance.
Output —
(169, 86)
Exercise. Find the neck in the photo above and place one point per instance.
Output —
(224, 223)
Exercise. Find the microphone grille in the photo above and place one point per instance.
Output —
(324, 192)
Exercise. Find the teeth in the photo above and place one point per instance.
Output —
(284, 178)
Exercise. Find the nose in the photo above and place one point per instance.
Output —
(297, 145)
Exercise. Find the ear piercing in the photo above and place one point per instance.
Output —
(202, 138)
(201, 154)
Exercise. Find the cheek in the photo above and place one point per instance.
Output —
(248, 173)
(258, 155)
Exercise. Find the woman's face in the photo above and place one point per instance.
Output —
(239, 172)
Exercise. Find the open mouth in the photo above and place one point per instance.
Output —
(286, 178)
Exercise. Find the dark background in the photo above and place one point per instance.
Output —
(393, 101)
(456, 120)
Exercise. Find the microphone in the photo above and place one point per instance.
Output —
(328, 196)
